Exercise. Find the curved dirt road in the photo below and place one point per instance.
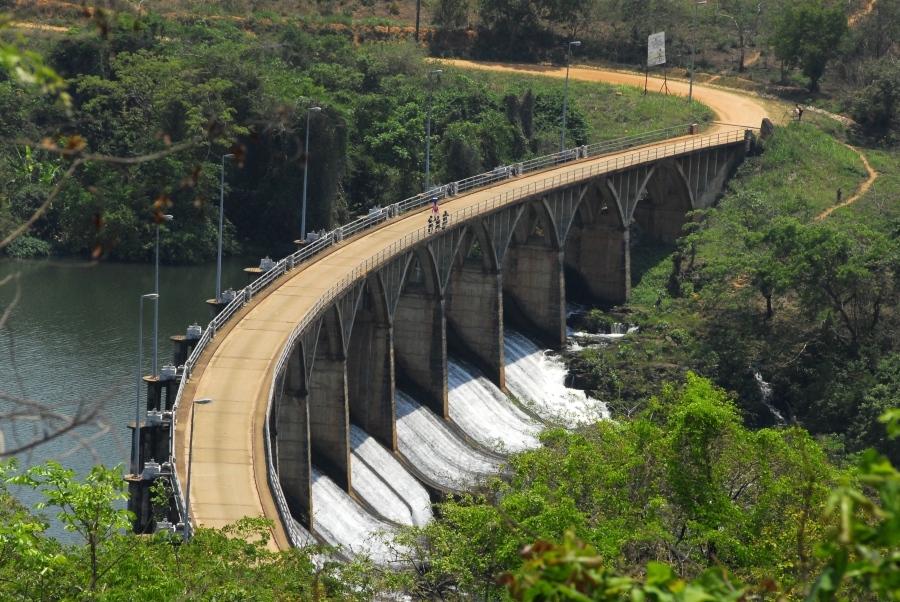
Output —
(730, 107)
(229, 464)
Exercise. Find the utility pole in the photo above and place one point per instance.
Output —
(305, 171)
(694, 50)
(562, 140)
(428, 133)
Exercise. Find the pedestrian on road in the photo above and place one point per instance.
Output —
(799, 112)
(430, 224)
(444, 219)
(434, 208)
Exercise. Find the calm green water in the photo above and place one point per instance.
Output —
(71, 343)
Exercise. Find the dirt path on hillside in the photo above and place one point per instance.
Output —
(731, 108)
(865, 11)
(862, 189)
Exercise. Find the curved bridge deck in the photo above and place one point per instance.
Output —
(238, 368)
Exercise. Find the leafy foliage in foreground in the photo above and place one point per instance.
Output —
(860, 556)
(233, 563)
(684, 483)
(681, 504)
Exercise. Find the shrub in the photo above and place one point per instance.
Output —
(28, 247)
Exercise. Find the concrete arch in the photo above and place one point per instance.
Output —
(291, 428)
(371, 388)
(662, 212)
(474, 306)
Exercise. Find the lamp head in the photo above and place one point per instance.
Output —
(315, 109)
(203, 400)
(437, 72)
(574, 43)
(701, 3)
(168, 218)
(150, 296)
(229, 156)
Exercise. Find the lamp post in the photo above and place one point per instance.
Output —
(428, 133)
(305, 171)
(562, 140)
(137, 410)
(166, 218)
(221, 217)
(187, 493)
(697, 5)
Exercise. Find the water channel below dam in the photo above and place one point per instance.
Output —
(71, 343)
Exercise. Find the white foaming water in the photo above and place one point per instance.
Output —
(442, 456)
(538, 380)
(486, 414)
(380, 480)
(343, 523)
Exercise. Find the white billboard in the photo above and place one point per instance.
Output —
(656, 49)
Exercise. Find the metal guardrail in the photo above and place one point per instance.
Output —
(242, 297)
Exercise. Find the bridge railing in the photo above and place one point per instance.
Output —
(242, 297)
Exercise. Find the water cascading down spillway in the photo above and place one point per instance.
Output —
(485, 424)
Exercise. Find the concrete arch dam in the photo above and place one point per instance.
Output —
(315, 376)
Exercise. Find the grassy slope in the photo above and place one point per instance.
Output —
(613, 111)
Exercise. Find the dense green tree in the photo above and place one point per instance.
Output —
(808, 35)
(876, 105)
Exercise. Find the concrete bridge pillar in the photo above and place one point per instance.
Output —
(420, 332)
(475, 318)
(599, 253)
(293, 446)
(329, 416)
(370, 372)
(420, 346)
(534, 291)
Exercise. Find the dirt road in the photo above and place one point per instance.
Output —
(730, 107)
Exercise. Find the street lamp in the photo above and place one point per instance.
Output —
(694, 50)
(305, 171)
(137, 413)
(221, 217)
(562, 141)
(187, 493)
(428, 135)
(166, 218)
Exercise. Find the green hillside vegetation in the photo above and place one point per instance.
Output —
(218, 89)
(638, 508)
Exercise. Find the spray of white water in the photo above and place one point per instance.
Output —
(440, 454)
(537, 379)
(765, 395)
(380, 480)
(342, 522)
(486, 414)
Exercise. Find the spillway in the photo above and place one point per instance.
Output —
(438, 453)
(537, 379)
(380, 480)
(342, 522)
(486, 414)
